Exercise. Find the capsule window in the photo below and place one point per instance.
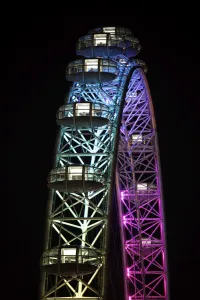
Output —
(146, 242)
(91, 65)
(97, 110)
(65, 111)
(142, 187)
(89, 173)
(100, 39)
(109, 29)
(82, 109)
(136, 138)
(51, 257)
(68, 255)
(75, 173)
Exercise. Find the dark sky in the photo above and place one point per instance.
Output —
(38, 50)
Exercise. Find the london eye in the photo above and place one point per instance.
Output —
(107, 147)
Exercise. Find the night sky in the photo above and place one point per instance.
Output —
(37, 52)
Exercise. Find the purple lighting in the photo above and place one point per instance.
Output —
(128, 272)
(122, 196)
(141, 196)
(106, 155)
(124, 220)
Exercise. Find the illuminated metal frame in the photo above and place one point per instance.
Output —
(81, 218)
(141, 211)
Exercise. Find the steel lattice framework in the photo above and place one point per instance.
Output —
(124, 155)
(139, 175)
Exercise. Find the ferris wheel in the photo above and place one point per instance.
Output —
(106, 147)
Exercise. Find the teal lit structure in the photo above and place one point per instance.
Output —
(107, 142)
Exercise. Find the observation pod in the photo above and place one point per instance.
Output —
(70, 261)
(140, 63)
(145, 244)
(135, 63)
(108, 42)
(138, 140)
(83, 115)
(144, 192)
(95, 70)
(75, 178)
